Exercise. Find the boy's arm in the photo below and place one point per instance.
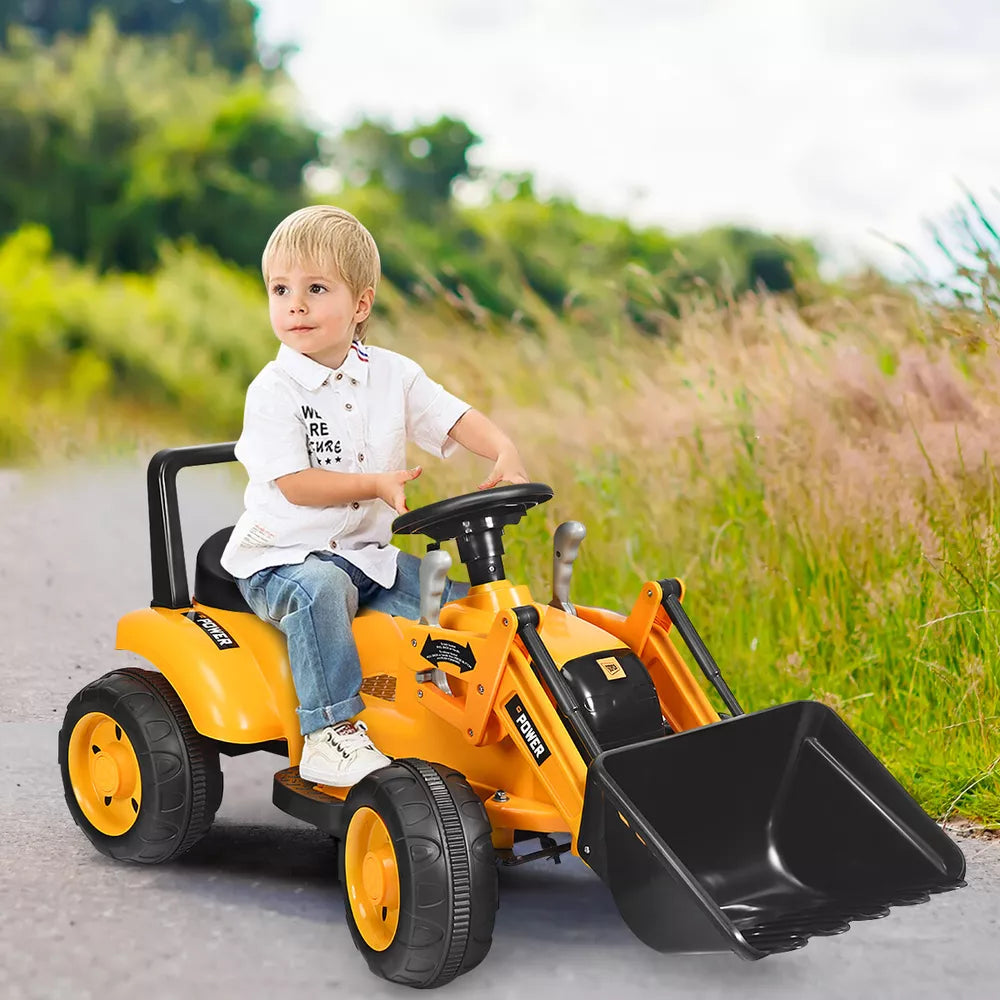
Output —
(272, 448)
(321, 488)
(480, 435)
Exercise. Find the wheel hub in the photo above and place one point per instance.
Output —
(372, 878)
(104, 772)
(373, 882)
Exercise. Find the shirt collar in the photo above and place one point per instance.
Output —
(311, 374)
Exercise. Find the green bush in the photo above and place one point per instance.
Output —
(115, 143)
(189, 336)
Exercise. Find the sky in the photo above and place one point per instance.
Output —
(852, 122)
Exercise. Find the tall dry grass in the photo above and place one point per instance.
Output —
(820, 470)
(823, 477)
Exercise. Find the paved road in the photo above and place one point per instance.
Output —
(254, 911)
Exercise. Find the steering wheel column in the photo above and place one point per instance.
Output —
(476, 522)
(482, 553)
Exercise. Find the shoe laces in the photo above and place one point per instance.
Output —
(347, 737)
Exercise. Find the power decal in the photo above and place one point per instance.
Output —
(445, 651)
(213, 630)
(527, 731)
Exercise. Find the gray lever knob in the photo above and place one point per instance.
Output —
(433, 573)
(566, 544)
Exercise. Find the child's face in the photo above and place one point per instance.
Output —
(314, 312)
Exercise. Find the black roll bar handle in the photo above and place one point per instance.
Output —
(166, 545)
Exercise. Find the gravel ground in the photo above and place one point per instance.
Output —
(254, 910)
(74, 557)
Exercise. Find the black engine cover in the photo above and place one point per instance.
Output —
(617, 696)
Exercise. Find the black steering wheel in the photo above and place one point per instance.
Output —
(476, 521)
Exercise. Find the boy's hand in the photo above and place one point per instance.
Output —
(392, 487)
(508, 468)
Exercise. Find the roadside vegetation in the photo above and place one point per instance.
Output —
(822, 473)
(818, 460)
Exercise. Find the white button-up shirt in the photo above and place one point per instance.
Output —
(357, 418)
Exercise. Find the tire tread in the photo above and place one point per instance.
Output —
(145, 700)
(437, 942)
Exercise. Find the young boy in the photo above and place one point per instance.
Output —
(323, 443)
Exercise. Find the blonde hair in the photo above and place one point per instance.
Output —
(328, 237)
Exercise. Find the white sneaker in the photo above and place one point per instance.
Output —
(340, 755)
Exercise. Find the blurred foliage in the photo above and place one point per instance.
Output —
(518, 256)
(749, 453)
(150, 131)
(114, 144)
(73, 340)
(226, 27)
(970, 243)
(702, 425)
(419, 164)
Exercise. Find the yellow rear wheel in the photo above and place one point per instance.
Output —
(372, 878)
(139, 780)
(104, 773)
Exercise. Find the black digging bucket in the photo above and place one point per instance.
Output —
(757, 832)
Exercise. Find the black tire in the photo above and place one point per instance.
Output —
(181, 780)
(448, 888)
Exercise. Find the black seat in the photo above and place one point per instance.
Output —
(213, 586)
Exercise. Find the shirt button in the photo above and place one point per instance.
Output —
(361, 458)
(333, 543)
(340, 375)
(347, 406)
(354, 381)
(355, 505)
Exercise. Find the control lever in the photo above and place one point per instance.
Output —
(433, 573)
(565, 545)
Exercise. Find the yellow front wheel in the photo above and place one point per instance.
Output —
(419, 873)
(140, 782)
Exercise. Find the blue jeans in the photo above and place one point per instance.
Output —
(314, 603)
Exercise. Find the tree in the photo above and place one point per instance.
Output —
(111, 143)
(746, 259)
(226, 27)
(420, 164)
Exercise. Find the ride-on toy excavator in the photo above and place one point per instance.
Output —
(511, 721)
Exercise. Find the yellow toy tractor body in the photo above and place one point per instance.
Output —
(510, 720)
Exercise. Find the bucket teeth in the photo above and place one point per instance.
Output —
(793, 930)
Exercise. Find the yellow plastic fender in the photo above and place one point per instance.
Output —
(229, 668)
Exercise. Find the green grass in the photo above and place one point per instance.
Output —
(823, 475)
